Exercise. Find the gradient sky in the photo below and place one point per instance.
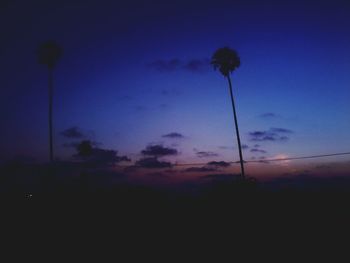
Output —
(133, 71)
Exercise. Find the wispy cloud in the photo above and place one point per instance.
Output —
(255, 150)
(244, 147)
(209, 167)
(201, 169)
(73, 133)
(75, 144)
(197, 65)
(173, 135)
(158, 151)
(273, 134)
(192, 65)
(268, 115)
(281, 130)
(218, 164)
(152, 162)
(203, 154)
(226, 147)
(166, 65)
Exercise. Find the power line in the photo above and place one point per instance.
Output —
(263, 160)
(272, 160)
(301, 157)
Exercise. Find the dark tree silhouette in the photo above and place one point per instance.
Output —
(48, 54)
(227, 60)
(84, 148)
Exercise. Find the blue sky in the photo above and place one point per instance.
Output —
(118, 85)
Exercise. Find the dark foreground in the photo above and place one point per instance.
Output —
(98, 202)
(172, 221)
(238, 200)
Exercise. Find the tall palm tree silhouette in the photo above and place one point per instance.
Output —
(48, 54)
(227, 60)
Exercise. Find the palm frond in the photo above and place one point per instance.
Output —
(48, 53)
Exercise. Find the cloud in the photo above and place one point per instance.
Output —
(255, 150)
(209, 167)
(193, 65)
(197, 65)
(240, 161)
(166, 65)
(200, 169)
(226, 147)
(73, 133)
(158, 151)
(70, 145)
(219, 164)
(268, 115)
(206, 154)
(152, 162)
(281, 130)
(75, 144)
(173, 135)
(273, 134)
(108, 156)
(244, 146)
(263, 161)
(98, 156)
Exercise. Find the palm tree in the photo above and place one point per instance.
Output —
(48, 54)
(227, 60)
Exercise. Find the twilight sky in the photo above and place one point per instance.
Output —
(137, 73)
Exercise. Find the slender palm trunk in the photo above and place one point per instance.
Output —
(50, 113)
(236, 125)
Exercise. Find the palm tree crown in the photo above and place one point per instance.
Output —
(226, 60)
(49, 53)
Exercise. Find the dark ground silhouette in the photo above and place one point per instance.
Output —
(298, 195)
(217, 211)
